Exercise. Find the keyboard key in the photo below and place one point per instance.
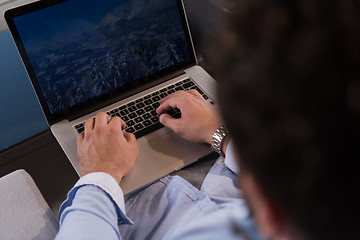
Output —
(147, 97)
(163, 90)
(132, 108)
(130, 130)
(198, 89)
(147, 123)
(130, 123)
(155, 119)
(162, 95)
(148, 108)
(138, 119)
(124, 112)
(156, 105)
(125, 118)
(170, 91)
(132, 115)
(154, 113)
(79, 126)
(171, 112)
(156, 99)
(140, 112)
(140, 105)
(170, 87)
(80, 130)
(186, 80)
(148, 129)
(205, 97)
(179, 88)
(155, 94)
(148, 102)
(138, 127)
(177, 115)
(188, 85)
(131, 104)
(139, 100)
(114, 111)
(178, 84)
(146, 116)
(122, 107)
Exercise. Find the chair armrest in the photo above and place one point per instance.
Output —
(24, 213)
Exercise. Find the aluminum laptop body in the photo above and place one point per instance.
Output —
(83, 57)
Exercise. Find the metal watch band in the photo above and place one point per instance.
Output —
(218, 139)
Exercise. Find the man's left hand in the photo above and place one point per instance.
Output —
(104, 146)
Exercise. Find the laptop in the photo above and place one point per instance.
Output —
(116, 56)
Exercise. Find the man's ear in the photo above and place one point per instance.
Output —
(270, 219)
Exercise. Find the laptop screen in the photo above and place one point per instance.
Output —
(79, 52)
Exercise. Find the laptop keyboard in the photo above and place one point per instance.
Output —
(140, 115)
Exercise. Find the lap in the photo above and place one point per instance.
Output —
(162, 205)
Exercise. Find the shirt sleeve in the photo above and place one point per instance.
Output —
(93, 209)
(230, 158)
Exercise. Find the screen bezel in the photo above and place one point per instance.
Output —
(102, 100)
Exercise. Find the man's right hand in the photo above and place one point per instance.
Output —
(199, 119)
(104, 146)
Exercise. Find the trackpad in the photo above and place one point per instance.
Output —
(159, 155)
(170, 148)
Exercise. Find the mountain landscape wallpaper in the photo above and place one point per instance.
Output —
(79, 52)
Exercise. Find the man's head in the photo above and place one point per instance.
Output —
(289, 78)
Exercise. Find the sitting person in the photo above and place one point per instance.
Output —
(289, 93)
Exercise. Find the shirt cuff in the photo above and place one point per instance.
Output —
(230, 158)
(109, 185)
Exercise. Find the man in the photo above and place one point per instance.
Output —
(97, 203)
(290, 95)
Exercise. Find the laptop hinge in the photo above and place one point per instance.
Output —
(122, 96)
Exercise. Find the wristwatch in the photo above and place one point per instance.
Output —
(218, 140)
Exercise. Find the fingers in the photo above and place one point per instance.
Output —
(101, 119)
(80, 138)
(176, 100)
(163, 108)
(89, 126)
(195, 93)
(169, 121)
(130, 138)
(118, 122)
(175, 94)
(169, 103)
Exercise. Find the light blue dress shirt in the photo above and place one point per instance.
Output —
(171, 208)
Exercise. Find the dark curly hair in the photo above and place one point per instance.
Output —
(289, 89)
